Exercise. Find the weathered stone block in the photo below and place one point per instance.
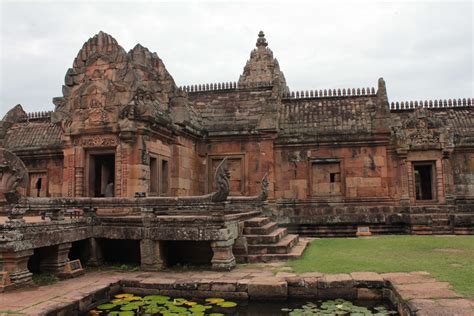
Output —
(335, 281)
(267, 289)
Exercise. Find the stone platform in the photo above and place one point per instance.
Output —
(413, 293)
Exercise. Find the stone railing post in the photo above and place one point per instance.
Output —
(223, 258)
(55, 258)
(150, 250)
(57, 214)
(15, 216)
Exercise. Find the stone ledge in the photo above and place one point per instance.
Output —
(367, 279)
(329, 281)
(268, 289)
(427, 297)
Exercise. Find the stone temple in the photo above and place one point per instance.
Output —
(222, 172)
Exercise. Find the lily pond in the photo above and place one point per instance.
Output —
(130, 304)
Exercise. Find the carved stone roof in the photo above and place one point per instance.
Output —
(343, 115)
(262, 68)
(460, 120)
(237, 111)
(33, 135)
(108, 87)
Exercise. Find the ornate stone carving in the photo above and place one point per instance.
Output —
(422, 129)
(264, 193)
(221, 177)
(13, 175)
(262, 69)
(96, 141)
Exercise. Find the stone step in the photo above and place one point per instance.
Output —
(271, 238)
(263, 230)
(257, 222)
(296, 252)
(281, 247)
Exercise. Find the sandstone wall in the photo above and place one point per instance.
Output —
(50, 171)
(248, 161)
(463, 174)
(363, 173)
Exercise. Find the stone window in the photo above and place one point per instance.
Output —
(159, 176)
(326, 177)
(154, 179)
(424, 174)
(38, 186)
(235, 165)
(164, 177)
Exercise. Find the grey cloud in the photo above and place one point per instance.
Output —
(423, 49)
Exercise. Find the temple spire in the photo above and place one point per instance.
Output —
(261, 40)
(262, 69)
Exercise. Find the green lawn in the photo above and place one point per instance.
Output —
(447, 258)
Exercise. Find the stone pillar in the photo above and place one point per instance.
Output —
(54, 258)
(448, 177)
(440, 183)
(223, 258)
(16, 264)
(150, 253)
(96, 257)
(404, 183)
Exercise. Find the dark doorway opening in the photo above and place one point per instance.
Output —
(102, 175)
(34, 262)
(80, 250)
(424, 182)
(38, 186)
(120, 251)
(187, 253)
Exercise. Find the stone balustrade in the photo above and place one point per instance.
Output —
(329, 93)
(431, 104)
(222, 86)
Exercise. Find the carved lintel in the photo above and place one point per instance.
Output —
(96, 141)
(221, 177)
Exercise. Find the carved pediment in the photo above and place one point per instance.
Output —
(423, 118)
(144, 104)
(422, 130)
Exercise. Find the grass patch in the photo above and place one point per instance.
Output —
(44, 279)
(447, 258)
(114, 266)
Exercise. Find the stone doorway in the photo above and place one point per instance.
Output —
(424, 184)
(101, 174)
(180, 252)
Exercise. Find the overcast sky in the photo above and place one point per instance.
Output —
(423, 50)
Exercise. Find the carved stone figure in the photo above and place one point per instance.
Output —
(264, 193)
(13, 175)
(221, 177)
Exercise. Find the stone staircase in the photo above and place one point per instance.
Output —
(437, 222)
(441, 224)
(265, 242)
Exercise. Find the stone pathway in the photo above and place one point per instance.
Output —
(422, 293)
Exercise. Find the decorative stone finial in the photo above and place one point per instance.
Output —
(261, 41)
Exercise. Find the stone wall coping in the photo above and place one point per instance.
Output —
(420, 297)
